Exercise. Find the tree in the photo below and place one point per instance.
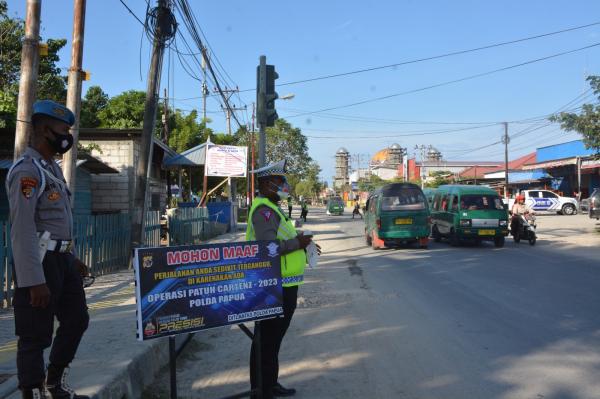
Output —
(440, 177)
(95, 100)
(287, 142)
(123, 111)
(50, 84)
(370, 184)
(587, 122)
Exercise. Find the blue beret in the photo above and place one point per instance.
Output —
(54, 110)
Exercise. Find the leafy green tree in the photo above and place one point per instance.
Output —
(287, 142)
(123, 111)
(94, 101)
(586, 122)
(50, 83)
(370, 184)
(440, 177)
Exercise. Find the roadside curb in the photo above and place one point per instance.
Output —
(127, 379)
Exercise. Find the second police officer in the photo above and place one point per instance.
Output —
(48, 277)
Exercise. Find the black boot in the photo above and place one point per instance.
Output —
(281, 391)
(56, 384)
(33, 393)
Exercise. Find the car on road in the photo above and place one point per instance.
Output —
(548, 201)
(395, 214)
(594, 204)
(335, 206)
(466, 212)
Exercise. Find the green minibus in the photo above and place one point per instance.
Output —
(467, 212)
(397, 214)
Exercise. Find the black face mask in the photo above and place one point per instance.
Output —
(61, 143)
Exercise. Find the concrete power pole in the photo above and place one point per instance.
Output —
(30, 61)
(145, 154)
(74, 93)
(505, 141)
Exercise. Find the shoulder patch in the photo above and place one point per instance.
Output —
(28, 186)
(267, 214)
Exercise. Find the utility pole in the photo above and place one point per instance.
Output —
(505, 141)
(422, 149)
(165, 121)
(204, 85)
(228, 93)
(30, 62)
(145, 155)
(69, 163)
(228, 114)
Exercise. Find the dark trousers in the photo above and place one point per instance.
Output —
(290, 213)
(34, 325)
(271, 334)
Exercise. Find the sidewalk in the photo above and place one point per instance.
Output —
(110, 362)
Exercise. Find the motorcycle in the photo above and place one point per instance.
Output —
(523, 227)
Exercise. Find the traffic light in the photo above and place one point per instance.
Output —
(271, 96)
(266, 95)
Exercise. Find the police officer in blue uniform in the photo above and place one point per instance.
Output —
(48, 277)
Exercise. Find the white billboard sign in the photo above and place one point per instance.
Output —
(226, 160)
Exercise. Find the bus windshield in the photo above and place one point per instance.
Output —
(406, 199)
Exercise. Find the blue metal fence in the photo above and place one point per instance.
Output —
(103, 241)
(189, 226)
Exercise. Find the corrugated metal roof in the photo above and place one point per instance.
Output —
(193, 157)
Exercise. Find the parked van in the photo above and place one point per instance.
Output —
(461, 212)
(335, 206)
(395, 214)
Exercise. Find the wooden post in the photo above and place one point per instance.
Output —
(74, 93)
(30, 61)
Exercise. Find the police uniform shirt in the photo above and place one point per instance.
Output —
(266, 223)
(33, 212)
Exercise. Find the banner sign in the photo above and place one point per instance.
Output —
(190, 288)
(226, 160)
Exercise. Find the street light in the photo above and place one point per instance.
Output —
(287, 96)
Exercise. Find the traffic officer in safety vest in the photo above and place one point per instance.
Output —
(266, 221)
(48, 277)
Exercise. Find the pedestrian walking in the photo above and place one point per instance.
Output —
(356, 210)
(290, 207)
(304, 211)
(48, 277)
(267, 221)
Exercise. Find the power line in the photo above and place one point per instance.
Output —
(439, 56)
(447, 82)
(132, 13)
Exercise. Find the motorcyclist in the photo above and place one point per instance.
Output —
(519, 209)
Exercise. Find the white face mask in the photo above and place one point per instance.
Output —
(283, 191)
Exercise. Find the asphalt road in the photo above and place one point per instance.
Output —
(469, 322)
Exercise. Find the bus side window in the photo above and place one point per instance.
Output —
(454, 204)
(445, 203)
(373, 204)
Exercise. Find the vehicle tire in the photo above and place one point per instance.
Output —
(435, 233)
(569, 209)
(423, 243)
(499, 242)
(532, 239)
(368, 238)
(454, 240)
